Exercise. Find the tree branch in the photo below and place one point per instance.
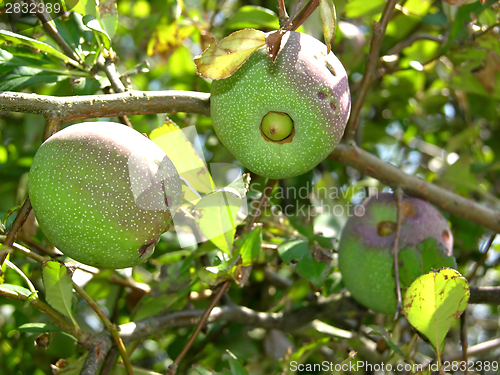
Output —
(353, 156)
(71, 108)
(142, 102)
(51, 30)
(55, 315)
(97, 354)
(371, 65)
(109, 326)
(489, 295)
(337, 308)
(14, 228)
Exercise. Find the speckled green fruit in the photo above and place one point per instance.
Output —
(305, 83)
(103, 193)
(365, 249)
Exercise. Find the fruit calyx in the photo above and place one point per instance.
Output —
(277, 127)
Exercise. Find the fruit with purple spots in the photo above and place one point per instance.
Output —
(103, 193)
(366, 246)
(281, 119)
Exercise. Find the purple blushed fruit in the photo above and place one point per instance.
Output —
(304, 84)
(103, 193)
(366, 246)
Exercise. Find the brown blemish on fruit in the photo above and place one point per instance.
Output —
(407, 209)
(386, 228)
(322, 95)
(331, 69)
(333, 106)
(147, 248)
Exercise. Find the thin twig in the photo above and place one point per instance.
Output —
(464, 340)
(109, 326)
(299, 19)
(52, 124)
(282, 14)
(395, 251)
(116, 84)
(369, 164)
(14, 228)
(396, 49)
(483, 259)
(59, 319)
(257, 210)
(371, 64)
(203, 320)
(110, 361)
(51, 30)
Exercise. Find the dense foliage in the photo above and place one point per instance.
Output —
(430, 107)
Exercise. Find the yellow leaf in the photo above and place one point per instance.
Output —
(328, 20)
(220, 60)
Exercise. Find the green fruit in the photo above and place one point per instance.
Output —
(277, 126)
(365, 249)
(305, 84)
(103, 193)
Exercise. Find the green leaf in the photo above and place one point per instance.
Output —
(109, 16)
(380, 331)
(38, 328)
(312, 270)
(19, 290)
(328, 21)
(236, 366)
(216, 216)
(178, 145)
(216, 274)
(307, 266)
(16, 39)
(93, 23)
(58, 287)
(427, 257)
(358, 8)
(10, 61)
(433, 258)
(463, 18)
(251, 16)
(434, 301)
(250, 248)
(293, 250)
(201, 370)
(220, 60)
(23, 77)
